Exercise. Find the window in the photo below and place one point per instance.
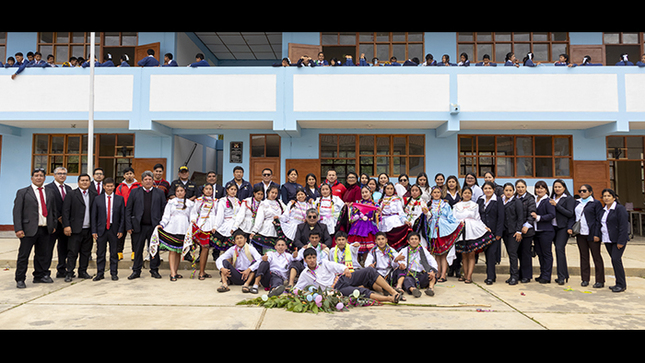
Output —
(623, 153)
(516, 156)
(115, 153)
(382, 45)
(265, 146)
(372, 154)
(3, 47)
(63, 45)
(547, 46)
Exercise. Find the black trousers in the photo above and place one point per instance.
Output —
(59, 240)
(617, 262)
(236, 276)
(584, 247)
(79, 246)
(560, 241)
(138, 243)
(512, 248)
(543, 242)
(41, 244)
(101, 250)
(267, 278)
(526, 258)
(492, 251)
(362, 280)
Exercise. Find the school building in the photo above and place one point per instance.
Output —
(580, 124)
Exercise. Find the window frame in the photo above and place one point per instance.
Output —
(475, 57)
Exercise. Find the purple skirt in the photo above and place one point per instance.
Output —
(362, 228)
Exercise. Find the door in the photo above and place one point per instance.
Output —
(298, 50)
(141, 52)
(304, 167)
(265, 153)
(594, 173)
(147, 164)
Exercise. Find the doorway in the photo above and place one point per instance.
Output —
(339, 52)
(117, 52)
(613, 52)
(265, 153)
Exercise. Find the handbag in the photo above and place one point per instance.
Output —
(575, 229)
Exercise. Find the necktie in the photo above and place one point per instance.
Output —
(42, 202)
(62, 191)
(109, 213)
(98, 188)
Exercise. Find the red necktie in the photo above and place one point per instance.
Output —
(98, 188)
(62, 191)
(108, 213)
(42, 201)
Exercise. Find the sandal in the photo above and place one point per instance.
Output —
(397, 297)
(462, 278)
(416, 293)
(398, 289)
(173, 278)
(442, 280)
(254, 290)
(179, 276)
(223, 289)
(245, 289)
(430, 291)
(468, 281)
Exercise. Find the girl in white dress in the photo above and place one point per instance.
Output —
(329, 207)
(202, 219)
(227, 208)
(171, 234)
(414, 207)
(476, 235)
(245, 216)
(295, 214)
(266, 228)
(393, 219)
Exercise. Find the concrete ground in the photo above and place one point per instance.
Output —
(189, 304)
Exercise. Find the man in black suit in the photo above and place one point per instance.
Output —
(143, 213)
(305, 229)
(267, 181)
(108, 225)
(34, 220)
(97, 184)
(61, 190)
(218, 190)
(77, 226)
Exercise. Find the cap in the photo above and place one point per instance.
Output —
(183, 167)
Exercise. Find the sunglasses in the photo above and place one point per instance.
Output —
(312, 216)
(582, 190)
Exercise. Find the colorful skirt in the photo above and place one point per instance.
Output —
(221, 243)
(397, 237)
(475, 245)
(441, 245)
(171, 242)
(200, 237)
(268, 243)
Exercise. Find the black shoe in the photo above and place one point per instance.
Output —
(489, 281)
(584, 283)
(543, 281)
(84, 275)
(20, 284)
(68, 278)
(98, 278)
(512, 281)
(43, 280)
(561, 281)
(598, 285)
(618, 289)
(135, 275)
(155, 274)
(525, 280)
(60, 275)
(115, 277)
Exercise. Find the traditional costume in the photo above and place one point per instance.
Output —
(266, 228)
(392, 221)
(476, 236)
(227, 208)
(175, 227)
(363, 231)
(329, 209)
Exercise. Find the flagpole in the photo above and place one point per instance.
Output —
(90, 124)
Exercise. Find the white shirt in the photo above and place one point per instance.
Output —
(109, 205)
(60, 188)
(42, 220)
(580, 216)
(603, 223)
(384, 264)
(323, 275)
(176, 219)
(414, 261)
(278, 263)
(242, 262)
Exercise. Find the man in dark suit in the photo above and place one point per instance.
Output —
(77, 226)
(143, 213)
(61, 190)
(218, 190)
(305, 229)
(97, 184)
(267, 181)
(108, 225)
(34, 220)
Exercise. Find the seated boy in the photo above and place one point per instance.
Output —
(298, 265)
(272, 270)
(234, 264)
(385, 259)
(342, 253)
(421, 267)
(331, 275)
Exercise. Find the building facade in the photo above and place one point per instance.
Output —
(579, 124)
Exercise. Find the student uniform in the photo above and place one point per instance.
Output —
(563, 221)
(237, 260)
(544, 234)
(59, 236)
(124, 190)
(589, 212)
(513, 220)
(492, 214)
(275, 270)
(525, 253)
(76, 215)
(108, 219)
(615, 231)
(171, 63)
(265, 225)
(201, 63)
(149, 61)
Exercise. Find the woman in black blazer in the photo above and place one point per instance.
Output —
(614, 232)
(491, 211)
(525, 253)
(588, 213)
(513, 220)
(564, 205)
(544, 231)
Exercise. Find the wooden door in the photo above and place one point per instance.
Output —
(142, 164)
(141, 52)
(304, 167)
(596, 52)
(256, 165)
(594, 173)
(298, 50)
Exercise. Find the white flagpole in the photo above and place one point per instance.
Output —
(90, 124)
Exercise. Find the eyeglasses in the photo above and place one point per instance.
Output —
(404, 180)
(313, 216)
(582, 191)
(266, 174)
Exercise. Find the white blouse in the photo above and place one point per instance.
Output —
(329, 210)
(176, 219)
(203, 213)
(227, 208)
(268, 209)
(294, 214)
(469, 213)
(245, 216)
(392, 213)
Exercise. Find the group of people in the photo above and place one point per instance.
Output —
(510, 60)
(408, 235)
(35, 59)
